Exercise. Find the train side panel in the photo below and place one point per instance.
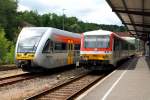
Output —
(122, 49)
(59, 56)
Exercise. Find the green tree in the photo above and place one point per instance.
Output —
(4, 46)
(8, 15)
(9, 58)
(31, 17)
(70, 23)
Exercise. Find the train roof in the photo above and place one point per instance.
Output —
(98, 32)
(129, 38)
(104, 32)
(56, 31)
(65, 33)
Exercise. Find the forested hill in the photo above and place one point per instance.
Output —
(70, 23)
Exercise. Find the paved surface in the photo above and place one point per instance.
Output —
(129, 82)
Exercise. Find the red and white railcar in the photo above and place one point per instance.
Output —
(102, 48)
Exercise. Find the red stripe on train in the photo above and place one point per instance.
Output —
(65, 39)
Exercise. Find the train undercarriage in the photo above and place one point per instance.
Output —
(29, 66)
(96, 64)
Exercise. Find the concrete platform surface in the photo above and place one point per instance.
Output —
(129, 82)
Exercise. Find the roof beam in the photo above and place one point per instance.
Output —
(143, 11)
(111, 5)
(140, 31)
(132, 12)
(125, 6)
(140, 25)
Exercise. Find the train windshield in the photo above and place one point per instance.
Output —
(29, 39)
(99, 41)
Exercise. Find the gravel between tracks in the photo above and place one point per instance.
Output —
(10, 73)
(7, 67)
(29, 87)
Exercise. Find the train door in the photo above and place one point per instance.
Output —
(70, 52)
(47, 54)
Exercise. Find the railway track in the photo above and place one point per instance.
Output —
(7, 67)
(68, 90)
(16, 78)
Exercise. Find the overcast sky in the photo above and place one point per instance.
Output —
(95, 11)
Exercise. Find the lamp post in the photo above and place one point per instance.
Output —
(63, 23)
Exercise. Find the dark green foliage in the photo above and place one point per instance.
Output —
(8, 15)
(70, 23)
(9, 58)
(30, 17)
(6, 49)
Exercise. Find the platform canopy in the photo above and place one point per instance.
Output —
(134, 14)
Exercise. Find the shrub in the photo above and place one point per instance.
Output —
(6, 49)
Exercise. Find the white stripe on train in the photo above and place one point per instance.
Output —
(95, 52)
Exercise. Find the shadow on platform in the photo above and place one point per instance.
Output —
(129, 64)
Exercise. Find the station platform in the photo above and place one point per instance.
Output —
(129, 82)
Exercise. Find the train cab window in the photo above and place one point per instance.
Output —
(89, 42)
(48, 46)
(102, 41)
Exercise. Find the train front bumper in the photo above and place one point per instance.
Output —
(24, 59)
(95, 59)
(25, 56)
(94, 62)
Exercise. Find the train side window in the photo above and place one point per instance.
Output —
(116, 44)
(64, 46)
(77, 47)
(123, 45)
(127, 46)
(114, 47)
(60, 47)
(48, 46)
(132, 47)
